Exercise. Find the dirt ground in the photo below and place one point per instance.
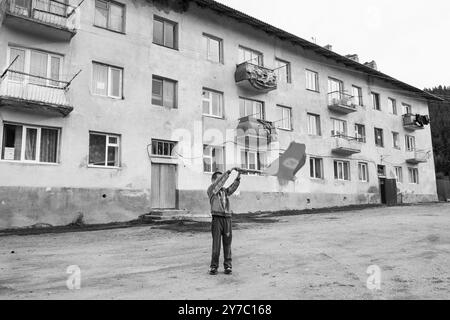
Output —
(320, 256)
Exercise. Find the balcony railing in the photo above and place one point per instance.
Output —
(345, 145)
(341, 102)
(418, 156)
(24, 91)
(415, 121)
(53, 13)
(255, 77)
(255, 132)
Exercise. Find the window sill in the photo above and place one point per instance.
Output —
(163, 107)
(108, 97)
(284, 129)
(311, 90)
(103, 167)
(30, 163)
(163, 46)
(214, 117)
(108, 29)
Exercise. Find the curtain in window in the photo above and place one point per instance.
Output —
(30, 144)
(18, 65)
(169, 94)
(49, 145)
(116, 17)
(157, 92)
(38, 67)
(100, 79)
(169, 34)
(158, 32)
(55, 64)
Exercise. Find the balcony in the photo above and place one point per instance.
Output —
(414, 122)
(256, 78)
(341, 102)
(345, 145)
(417, 156)
(26, 92)
(48, 18)
(256, 133)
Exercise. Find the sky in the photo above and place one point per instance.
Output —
(409, 40)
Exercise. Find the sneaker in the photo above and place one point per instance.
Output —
(213, 271)
(228, 271)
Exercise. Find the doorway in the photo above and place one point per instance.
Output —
(164, 186)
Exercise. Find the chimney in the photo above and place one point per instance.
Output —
(329, 47)
(353, 57)
(371, 64)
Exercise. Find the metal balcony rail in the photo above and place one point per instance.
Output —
(259, 77)
(419, 156)
(48, 11)
(32, 88)
(341, 98)
(345, 137)
(415, 120)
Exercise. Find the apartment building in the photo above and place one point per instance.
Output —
(113, 109)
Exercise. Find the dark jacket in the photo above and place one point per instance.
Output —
(218, 195)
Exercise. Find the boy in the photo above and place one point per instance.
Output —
(221, 218)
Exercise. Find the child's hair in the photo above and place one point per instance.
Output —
(216, 174)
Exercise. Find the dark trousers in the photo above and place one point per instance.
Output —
(221, 232)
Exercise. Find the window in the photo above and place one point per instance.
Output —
(212, 102)
(342, 170)
(106, 80)
(284, 117)
(376, 101)
(109, 15)
(339, 128)
(213, 48)
(283, 69)
(399, 174)
(314, 124)
(407, 109)
(396, 140)
(381, 170)
(213, 159)
(357, 96)
(30, 143)
(103, 150)
(253, 160)
(316, 168)
(335, 88)
(392, 104)
(312, 80)
(251, 108)
(250, 56)
(45, 66)
(410, 143)
(164, 92)
(163, 148)
(165, 33)
(360, 133)
(379, 139)
(413, 175)
(363, 172)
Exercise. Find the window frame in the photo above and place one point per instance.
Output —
(210, 156)
(318, 125)
(287, 64)
(382, 137)
(175, 98)
(108, 27)
(364, 172)
(362, 139)
(360, 101)
(107, 144)
(38, 144)
(410, 143)
(283, 109)
(313, 168)
(175, 32)
(394, 134)
(413, 174)
(263, 108)
(109, 82)
(398, 177)
(334, 133)
(393, 105)
(209, 37)
(169, 144)
(377, 105)
(258, 163)
(405, 107)
(344, 165)
(316, 80)
(379, 166)
(258, 53)
(210, 101)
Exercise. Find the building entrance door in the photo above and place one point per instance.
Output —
(164, 178)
